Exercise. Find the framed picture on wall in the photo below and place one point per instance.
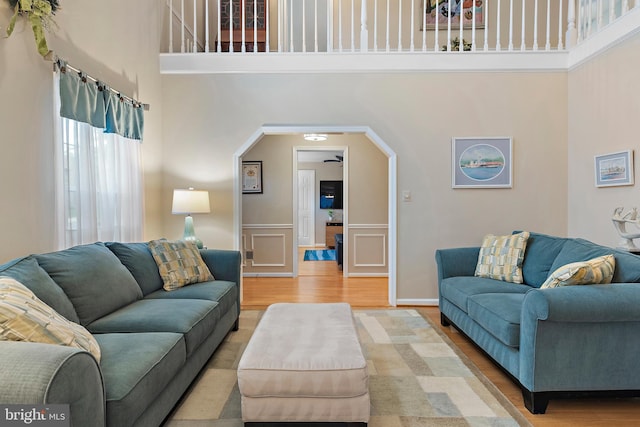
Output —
(614, 169)
(483, 162)
(440, 10)
(252, 177)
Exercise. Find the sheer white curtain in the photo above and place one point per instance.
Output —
(98, 184)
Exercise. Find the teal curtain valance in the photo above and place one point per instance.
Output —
(89, 101)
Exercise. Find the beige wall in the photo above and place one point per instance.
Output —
(121, 48)
(416, 114)
(604, 108)
(367, 195)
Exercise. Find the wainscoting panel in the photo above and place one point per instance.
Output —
(267, 250)
(368, 252)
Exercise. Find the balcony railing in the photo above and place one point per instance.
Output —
(372, 26)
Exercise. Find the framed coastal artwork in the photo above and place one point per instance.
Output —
(440, 10)
(483, 162)
(614, 169)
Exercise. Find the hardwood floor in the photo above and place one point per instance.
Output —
(322, 281)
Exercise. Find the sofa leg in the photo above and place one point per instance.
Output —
(444, 321)
(536, 403)
(236, 325)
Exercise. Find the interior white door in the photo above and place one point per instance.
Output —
(306, 207)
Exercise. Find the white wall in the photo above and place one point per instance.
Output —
(604, 109)
(103, 40)
(416, 114)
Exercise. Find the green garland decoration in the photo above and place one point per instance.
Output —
(39, 13)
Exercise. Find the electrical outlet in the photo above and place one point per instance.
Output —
(249, 254)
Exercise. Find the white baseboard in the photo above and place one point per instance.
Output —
(421, 302)
(267, 274)
(368, 275)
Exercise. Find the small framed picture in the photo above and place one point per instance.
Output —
(483, 162)
(252, 177)
(614, 169)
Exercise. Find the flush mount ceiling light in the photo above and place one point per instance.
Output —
(315, 136)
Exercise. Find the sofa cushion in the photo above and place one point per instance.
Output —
(501, 257)
(498, 314)
(29, 273)
(541, 251)
(193, 318)
(223, 292)
(457, 290)
(93, 278)
(136, 369)
(24, 317)
(139, 261)
(595, 271)
(179, 263)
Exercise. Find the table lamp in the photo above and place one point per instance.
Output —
(190, 202)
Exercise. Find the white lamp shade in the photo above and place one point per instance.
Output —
(190, 202)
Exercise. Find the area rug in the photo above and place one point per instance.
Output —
(417, 378)
(320, 255)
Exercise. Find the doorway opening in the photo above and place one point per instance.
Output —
(390, 240)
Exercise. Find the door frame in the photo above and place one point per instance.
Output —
(345, 201)
(292, 130)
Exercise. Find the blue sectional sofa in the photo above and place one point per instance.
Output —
(570, 341)
(153, 342)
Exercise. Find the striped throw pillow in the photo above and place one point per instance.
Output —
(24, 317)
(592, 272)
(501, 257)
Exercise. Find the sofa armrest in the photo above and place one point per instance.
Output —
(223, 264)
(456, 262)
(580, 338)
(33, 373)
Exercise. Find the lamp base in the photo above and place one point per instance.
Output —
(189, 233)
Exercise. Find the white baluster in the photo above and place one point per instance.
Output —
(413, 15)
(304, 26)
(612, 11)
(231, 25)
(498, 16)
(206, 26)
(243, 25)
(182, 46)
(218, 43)
(353, 26)
(547, 45)
(255, 26)
(267, 26)
(572, 32)
(590, 17)
(600, 9)
(560, 24)
(291, 46)
(461, 32)
(522, 36)
(449, 27)
(388, 14)
(195, 29)
(364, 30)
(625, 6)
(473, 26)
(400, 26)
(424, 26)
(315, 31)
(281, 9)
(340, 25)
(535, 25)
(375, 26)
(511, 26)
(170, 26)
(436, 44)
(486, 25)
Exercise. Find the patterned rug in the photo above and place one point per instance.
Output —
(320, 255)
(417, 378)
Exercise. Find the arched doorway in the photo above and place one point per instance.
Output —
(289, 130)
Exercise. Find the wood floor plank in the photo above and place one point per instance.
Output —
(322, 281)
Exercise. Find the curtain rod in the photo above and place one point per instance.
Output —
(57, 62)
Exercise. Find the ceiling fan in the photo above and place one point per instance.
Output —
(338, 159)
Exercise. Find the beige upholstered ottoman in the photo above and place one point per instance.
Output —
(304, 364)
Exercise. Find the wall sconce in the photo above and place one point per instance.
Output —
(190, 202)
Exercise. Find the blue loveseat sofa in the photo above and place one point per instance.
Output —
(153, 343)
(571, 341)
